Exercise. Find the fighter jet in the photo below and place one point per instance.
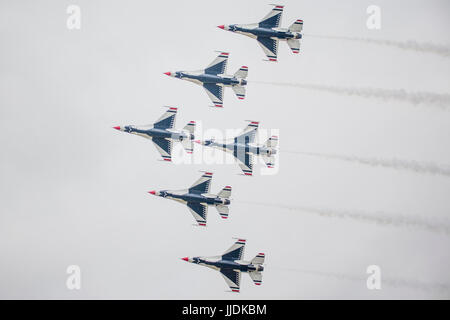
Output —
(214, 79)
(198, 198)
(230, 265)
(242, 147)
(163, 135)
(268, 33)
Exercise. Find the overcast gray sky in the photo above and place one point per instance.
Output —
(73, 190)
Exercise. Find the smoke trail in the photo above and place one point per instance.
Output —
(378, 218)
(441, 100)
(396, 283)
(419, 167)
(426, 47)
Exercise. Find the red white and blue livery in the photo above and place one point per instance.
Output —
(214, 78)
(163, 135)
(197, 198)
(243, 148)
(231, 264)
(268, 33)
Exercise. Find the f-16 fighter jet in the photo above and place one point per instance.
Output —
(162, 133)
(243, 148)
(230, 265)
(214, 79)
(198, 198)
(267, 32)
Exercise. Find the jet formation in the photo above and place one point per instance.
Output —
(231, 264)
(214, 79)
(268, 33)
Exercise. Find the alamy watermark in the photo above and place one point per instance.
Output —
(73, 281)
(374, 20)
(73, 21)
(374, 280)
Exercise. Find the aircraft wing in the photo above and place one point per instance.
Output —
(215, 93)
(269, 46)
(164, 146)
(167, 120)
(202, 184)
(248, 134)
(236, 251)
(273, 18)
(199, 212)
(232, 278)
(219, 65)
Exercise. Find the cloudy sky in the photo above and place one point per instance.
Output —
(73, 190)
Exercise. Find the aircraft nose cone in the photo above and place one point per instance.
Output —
(168, 73)
(152, 192)
(117, 128)
(221, 27)
(185, 259)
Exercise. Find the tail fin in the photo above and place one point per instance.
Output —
(297, 26)
(223, 211)
(225, 192)
(259, 259)
(272, 142)
(188, 144)
(242, 72)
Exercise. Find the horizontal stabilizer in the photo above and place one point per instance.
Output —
(225, 192)
(256, 277)
(272, 142)
(259, 259)
(223, 211)
(297, 26)
(242, 72)
(294, 44)
(269, 161)
(188, 144)
(239, 91)
(190, 127)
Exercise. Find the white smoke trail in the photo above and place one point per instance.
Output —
(397, 283)
(441, 100)
(424, 47)
(378, 218)
(419, 167)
